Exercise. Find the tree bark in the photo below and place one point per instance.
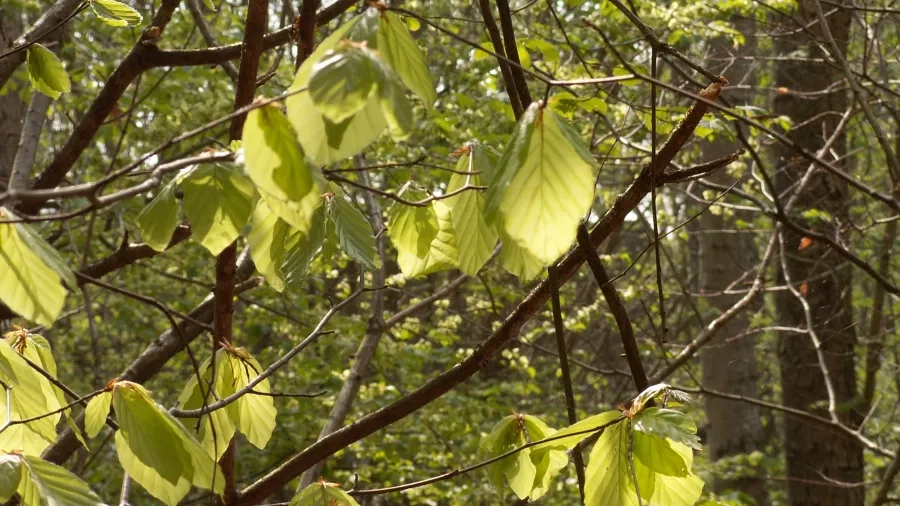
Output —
(815, 456)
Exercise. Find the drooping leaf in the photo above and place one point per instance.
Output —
(28, 285)
(343, 80)
(303, 248)
(277, 167)
(323, 493)
(47, 254)
(32, 397)
(669, 424)
(475, 238)
(46, 72)
(527, 473)
(255, 412)
(96, 412)
(10, 475)
(608, 479)
(57, 486)
(267, 240)
(396, 108)
(657, 454)
(548, 464)
(399, 50)
(116, 13)
(412, 228)
(165, 470)
(579, 431)
(217, 428)
(354, 233)
(158, 220)
(218, 201)
(544, 185)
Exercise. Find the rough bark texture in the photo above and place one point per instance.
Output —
(12, 107)
(815, 455)
(725, 257)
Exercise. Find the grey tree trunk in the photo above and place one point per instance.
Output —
(815, 456)
(12, 107)
(725, 256)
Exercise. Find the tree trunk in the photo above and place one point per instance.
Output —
(12, 107)
(725, 256)
(815, 457)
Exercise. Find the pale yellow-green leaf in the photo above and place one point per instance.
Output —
(441, 252)
(399, 50)
(47, 254)
(27, 285)
(216, 428)
(323, 493)
(10, 475)
(32, 397)
(57, 486)
(149, 477)
(277, 167)
(96, 412)
(46, 72)
(608, 480)
(354, 232)
(255, 413)
(218, 201)
(115, 13)
(518, 261)
(267, 238)
(544, 185)
(158, 220)
(475, 238)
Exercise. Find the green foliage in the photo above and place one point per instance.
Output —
(158, 220)
(218, 200)
(116, 13)
(323, 493)
(353, 232)
(475, 238)
(166, 471)
(40, 483)
(534, 201)
(46, 72)
(31, 397)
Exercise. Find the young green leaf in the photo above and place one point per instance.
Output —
(518, 261)
(267, 239)
(218, 201)
(579, 431)
(399, 50)
(116, 13)
(658, 455)
(303, 248)
(10, 475)
(56, 486)
(354, 232)
(649, 393)
(323, 493)
(255, 414)
(32, 397)
(166, 471)
(396, 108)
(474, 236)
(527, 473)
(217, 428)
(277, 167)
(412, 228)
(442, 252)
(669, 424)
(608, 479)
(544, 185)
(343, 80)
(96, 412)
(158, 220)
(47, 254)
(46, 72)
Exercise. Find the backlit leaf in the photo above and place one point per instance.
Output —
(608, 480)
(96, 412)
(397, 47)
(218, 201)
(354, 232)
(46, 72)
(27, 284)
(10, 474)
(323, 493)
(57, 486)
(669, 424)
(267, 240)
(302, 248)
(255, 413)
(544, 185)
(116, 13)
(343, 80)
(475, 238)
(158, 220)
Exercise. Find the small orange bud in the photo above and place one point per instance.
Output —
(805, 243)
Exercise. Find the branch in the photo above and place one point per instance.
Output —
(626, 332)
(57, 15)
(209, 36)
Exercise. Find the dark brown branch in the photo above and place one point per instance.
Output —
(512, 52)
(553, 278)
(497, 41)
(623, 321)
(509, 329)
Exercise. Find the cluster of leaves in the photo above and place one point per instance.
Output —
(643, 453)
